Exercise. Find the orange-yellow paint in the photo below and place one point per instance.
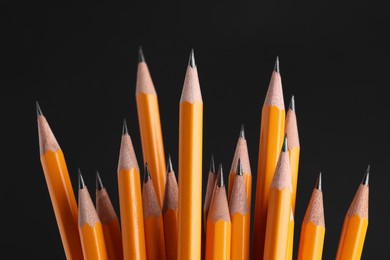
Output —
(92, 240)
(152, 141)
(248, 186)
(311, 241)
(170, 233)
(240, 236)
(113, 239)
(63, 202)
(294, 165)
(278, 219)
(271, 140)
(190, 180)
(218, 239)
(154, 238)
(132, 223)
(352, 238)
(290, 240)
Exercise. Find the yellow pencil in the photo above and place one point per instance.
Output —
(190, 165)
(109, 220)
(60, 188)
(90, 227)
(153, 221)
(271, 139)
(218, 231)
(239, 217)
(279, 209)
(242, 154)
(291, 130)
(150, 127)
(130, 200)
(355, 224)
(311, 242)
(169, 211)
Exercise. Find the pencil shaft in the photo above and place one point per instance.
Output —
(152, 140)
(60, 189)
(190, 180)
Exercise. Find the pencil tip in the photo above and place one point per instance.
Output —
(147, 176)
(170, 167)
(276, 68)
(220, 182)
(366, 176)
(242, 132)
(39, 111)
(191, 61)
(124, 129)
(99, 183)
(319, 182)
(81, 180)
(239, 167)
(141, 57)
(292, 103)
(212, 164)
(285, 144)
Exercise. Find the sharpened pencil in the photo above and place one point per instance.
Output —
(190, 165)
(271, 140)
(150, 126)
(60, 188)
(109, 221)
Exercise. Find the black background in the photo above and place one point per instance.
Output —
(80, 63)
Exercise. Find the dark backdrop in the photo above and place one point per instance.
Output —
(80, 62)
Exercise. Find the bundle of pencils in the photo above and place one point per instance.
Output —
(161, 218)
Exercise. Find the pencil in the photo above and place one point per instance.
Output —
(60, 188)
(271, 139)
(239, 217)
(312, 235)
(291, 129)
(218, 231)
(212, 177)
(109, 220)
(153, 221)
(169, 211)
(279, 209)
(150, 127)
(190, 165)
(355, 224)
(241, 153)
(90, 227)
(290, 237)
(130, 200)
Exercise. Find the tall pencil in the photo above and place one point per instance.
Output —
(355, 224)
(90, 227)
(242, 154)
(130, 200)
(279, 209)
(239, 217)
(150, 126)
(271, 139)
(218, 231)
(109, 220)
(60, 188)
(169, 211)
(153, 221)
(311, 242)
(190, 165)
(291, 129)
